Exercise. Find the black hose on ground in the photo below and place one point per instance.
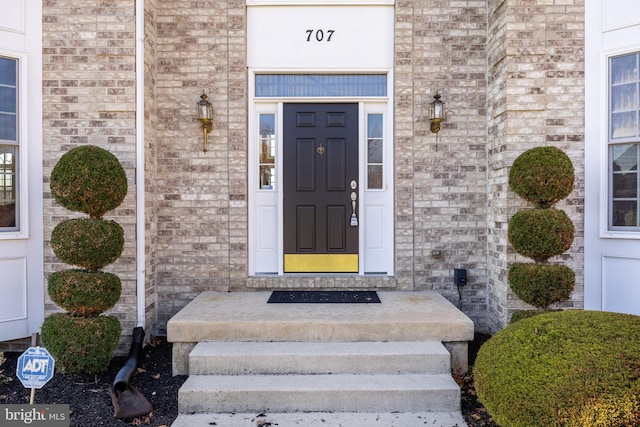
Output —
(135, 352)
(127, 400)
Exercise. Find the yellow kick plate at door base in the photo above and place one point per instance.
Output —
(321, 263)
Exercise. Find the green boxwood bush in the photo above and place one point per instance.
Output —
(84, 293)
(541, 233)
(542, 284)
(89, 179)
(81, 344)
(569, 368)
(542, 175)
(88, 243)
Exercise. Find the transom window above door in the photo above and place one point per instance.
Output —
(320, 85)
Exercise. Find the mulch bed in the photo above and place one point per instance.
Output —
(90, 403)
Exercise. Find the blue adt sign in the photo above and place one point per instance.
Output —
(35, 367)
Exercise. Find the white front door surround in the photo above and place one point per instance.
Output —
(319, 41)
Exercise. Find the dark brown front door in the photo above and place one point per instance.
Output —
(320, 181)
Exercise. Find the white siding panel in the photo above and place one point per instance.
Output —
(621, 284)
(13, 302)
(267, 235)
(374, 240)
(12, 17)
(320, 38)
(617, 14)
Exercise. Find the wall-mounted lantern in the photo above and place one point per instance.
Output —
(436, 113)
(205, 115)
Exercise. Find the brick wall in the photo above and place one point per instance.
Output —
(89, 98)
(441, 182)
(201, 197)
(536, 86)
(150, 177)
(511, 75)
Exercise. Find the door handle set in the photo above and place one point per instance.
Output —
(354, 197)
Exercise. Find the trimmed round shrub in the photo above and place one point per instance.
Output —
(89, 179)
(542, 175)
(84, 293)
(81, 344)
(87, 242)
(541, 233)
(569, 368)
(542, 284)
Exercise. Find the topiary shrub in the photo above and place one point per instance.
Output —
(81, 344)
(84, 293)
(542, 285)
(541, 233)
(88, 243)
(542, 175)
(91, 180)
(568, 368)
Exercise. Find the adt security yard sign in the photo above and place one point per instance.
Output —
(35, 367)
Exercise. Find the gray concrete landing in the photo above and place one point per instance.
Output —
(316, 419)
(246, 316)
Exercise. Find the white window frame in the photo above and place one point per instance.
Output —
(22, 173)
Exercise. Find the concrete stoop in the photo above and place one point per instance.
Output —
(384, 365)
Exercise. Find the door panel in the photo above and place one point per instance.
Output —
(320, 161)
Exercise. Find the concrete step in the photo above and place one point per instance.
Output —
(243, 358)
(246, 316)
(319, 393)
(322, 419)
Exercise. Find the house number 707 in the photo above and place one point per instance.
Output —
(319, 35)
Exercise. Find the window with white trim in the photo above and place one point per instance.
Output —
(375, 150)
(267, 151)
(624, 141)
(9, 145)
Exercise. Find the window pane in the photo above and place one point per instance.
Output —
(8, 69)
(319, 85)
(374, 176)
(624, 98)
(374, 151)
(625, 185)
(8, 217)
(625, 214)
(267, 177)
(267, 125)
(8, 127)
(7, 99)
(374, 125)
(625, 157)
(624, 69)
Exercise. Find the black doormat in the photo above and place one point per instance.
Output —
(324, 297)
